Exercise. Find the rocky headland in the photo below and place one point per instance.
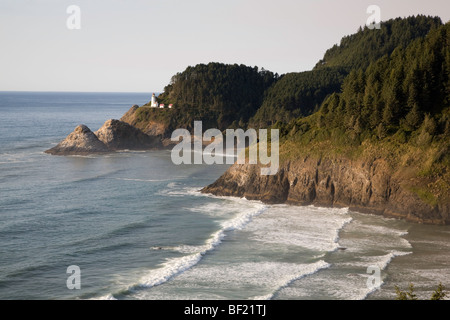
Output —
(367, 128)
(365, 186)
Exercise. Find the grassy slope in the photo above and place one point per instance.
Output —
(423, 166)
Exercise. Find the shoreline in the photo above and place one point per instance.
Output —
(365, 186)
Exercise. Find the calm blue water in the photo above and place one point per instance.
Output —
(138, 228)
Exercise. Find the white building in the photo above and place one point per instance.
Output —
(154, 104)
(170, 106)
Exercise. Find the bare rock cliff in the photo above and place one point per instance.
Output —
(365, 186)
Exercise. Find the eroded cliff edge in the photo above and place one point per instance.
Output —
(366, 186)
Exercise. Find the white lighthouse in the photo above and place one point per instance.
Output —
(154, 104)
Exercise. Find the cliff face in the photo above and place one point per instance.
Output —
(369, 186)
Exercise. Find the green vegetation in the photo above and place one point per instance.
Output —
(222, 96)
(236, 96)
(297, 94)
(425, 195)
(301, 94)
(398, 108)
(403, 295)
(406, 91)
(231, 96)
(379, 94)
(438, 294)
(167, 117)
(360, 49)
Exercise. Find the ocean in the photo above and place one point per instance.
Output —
(137, 226)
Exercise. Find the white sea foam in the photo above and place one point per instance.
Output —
(8, 158)
(105, 297)
(308, 227)
(380, 229)
(168, 270)
(172, 184)
(215, 209)
(317, 229)
(259, 277)
(284, 282)
(383, 261)
(281, 227)
(175, 266)
(367, 236)
(173, 189)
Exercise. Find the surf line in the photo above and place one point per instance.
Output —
(176, 266)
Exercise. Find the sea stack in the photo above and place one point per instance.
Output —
(112, 136)
(119, 135)
(82, 141)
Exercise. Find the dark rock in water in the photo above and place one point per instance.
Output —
(82, 141)
(119, 135)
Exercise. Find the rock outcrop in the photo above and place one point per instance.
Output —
(82, 141)
(365, 186)
(119, 135)
(149, 127)
(130, 116)
(112, 136)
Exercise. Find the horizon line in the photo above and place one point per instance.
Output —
(64, 91)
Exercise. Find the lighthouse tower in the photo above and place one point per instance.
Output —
(154, 104)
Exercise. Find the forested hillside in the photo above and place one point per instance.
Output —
(367, 45)
(397, 94)
(398, 109)
(381, 145)
(301, 94)
(220, 95)
(297, 94)
(231, 96)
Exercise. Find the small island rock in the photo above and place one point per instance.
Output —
(82, 141)
(119, 135)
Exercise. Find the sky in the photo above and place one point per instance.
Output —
(138, 45)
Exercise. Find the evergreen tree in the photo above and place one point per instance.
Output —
(439, 293)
